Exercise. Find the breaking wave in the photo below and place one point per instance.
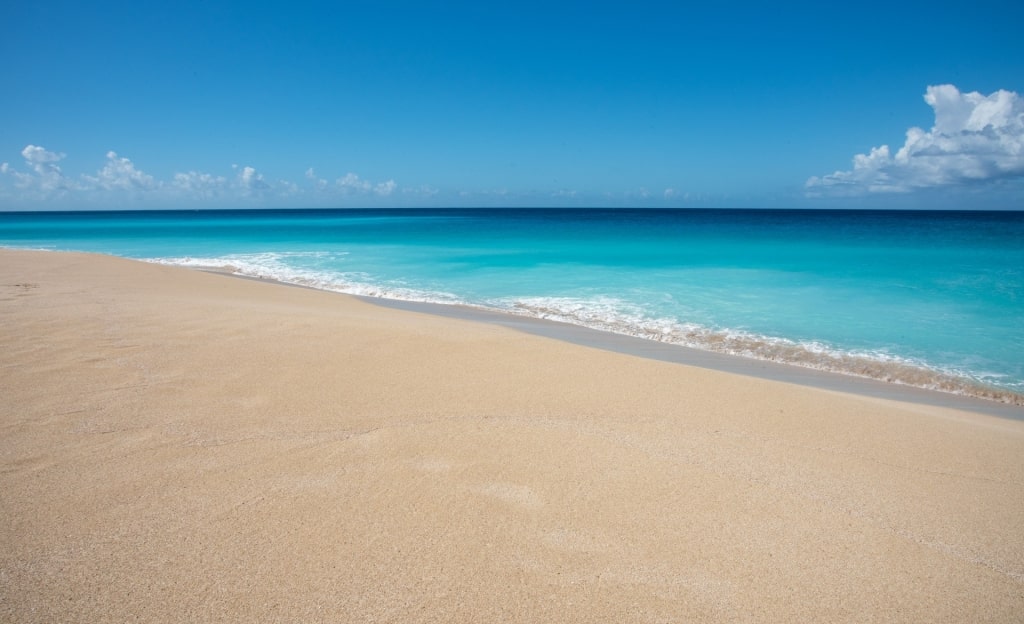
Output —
(301, 269)
(609, 314)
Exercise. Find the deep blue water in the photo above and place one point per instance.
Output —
(934, 299)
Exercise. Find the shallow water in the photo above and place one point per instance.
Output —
(931, 299)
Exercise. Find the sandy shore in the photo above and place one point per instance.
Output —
(183, 446)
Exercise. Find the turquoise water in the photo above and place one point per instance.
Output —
(932, 299)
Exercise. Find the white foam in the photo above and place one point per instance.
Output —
(280, 267)
(617, 316)
(609, 314)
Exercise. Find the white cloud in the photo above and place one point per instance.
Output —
(47, 175)
(37, 155)
(120, 174)
(319, 183)
(46, 179)
(385, 188)
(41, 179)
(352, 183)
(200, 185)
(251, 181)
(975, 138)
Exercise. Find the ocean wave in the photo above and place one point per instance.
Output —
(611, 315)
(621, 317)
(282, 267)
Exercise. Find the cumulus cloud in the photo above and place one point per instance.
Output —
(251, 181)
(318, 183)
(39, 155)
(41, 179)
(975, 138)
(46, 175)
(385, 188)
(200, 185)
(352, 183)
(120, 174)
(45, 179)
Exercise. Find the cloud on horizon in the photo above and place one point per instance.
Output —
(975, 139)
(251, 181)
(42, 180)
(200, 185)
(120, 173)
(48, 176)
(41, 183)
(352, 183)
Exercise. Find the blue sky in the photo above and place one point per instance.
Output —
(231, 104)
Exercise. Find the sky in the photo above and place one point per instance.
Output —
(410, 104)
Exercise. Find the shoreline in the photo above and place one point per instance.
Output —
(680, 354)
(969, 394)
(179, 445)
(711, 360)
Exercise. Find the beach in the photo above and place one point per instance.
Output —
(186, 446)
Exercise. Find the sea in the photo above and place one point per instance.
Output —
(932, 299)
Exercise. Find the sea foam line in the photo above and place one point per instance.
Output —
(616, 316)
(620, 318)
(274, 266)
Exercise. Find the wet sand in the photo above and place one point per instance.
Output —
(749, 367)
(185, 446)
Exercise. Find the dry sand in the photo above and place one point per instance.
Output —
(182, 446)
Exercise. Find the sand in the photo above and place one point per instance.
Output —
(185, 446)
